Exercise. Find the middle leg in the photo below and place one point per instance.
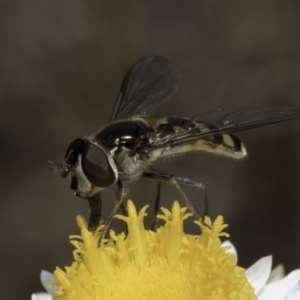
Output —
(176, 180)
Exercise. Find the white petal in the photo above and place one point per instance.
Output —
(295, 296)
(232, 250)
(41, 296)
(276, 274)
(259, 273)
(295, 289)
(46, 279)
(280, 289)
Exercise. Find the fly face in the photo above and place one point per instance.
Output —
(90, 167)
(126, 147)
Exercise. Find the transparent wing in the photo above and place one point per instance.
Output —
(224, 121)
(147, 84)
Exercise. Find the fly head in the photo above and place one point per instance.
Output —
(89, 166)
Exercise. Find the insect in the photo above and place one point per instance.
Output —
(125, 149)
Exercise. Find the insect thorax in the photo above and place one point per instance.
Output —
(123, 141)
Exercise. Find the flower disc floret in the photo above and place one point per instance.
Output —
(166, 264)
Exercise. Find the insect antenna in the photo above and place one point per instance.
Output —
(64, 169)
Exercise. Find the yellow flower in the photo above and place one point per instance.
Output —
(167, 264)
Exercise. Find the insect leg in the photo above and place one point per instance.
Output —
(176, 180)
(122, 206)
(156, 207)
(118, 203)
(124, 210)
(95, 203)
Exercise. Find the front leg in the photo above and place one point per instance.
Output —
(119, 199)
(95, 203)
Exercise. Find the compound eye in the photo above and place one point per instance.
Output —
(96, 167)
(74, 149)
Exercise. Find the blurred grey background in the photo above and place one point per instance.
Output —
(62, 63)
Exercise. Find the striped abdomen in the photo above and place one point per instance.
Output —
(177, 135)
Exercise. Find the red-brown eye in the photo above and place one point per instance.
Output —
(96, 167)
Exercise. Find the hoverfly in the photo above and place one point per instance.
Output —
(124, 149)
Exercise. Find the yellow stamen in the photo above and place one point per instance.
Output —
(166, 264)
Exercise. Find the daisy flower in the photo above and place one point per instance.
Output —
(166, 264)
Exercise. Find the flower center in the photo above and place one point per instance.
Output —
(166, 264)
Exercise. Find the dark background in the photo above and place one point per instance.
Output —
(62, 63)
